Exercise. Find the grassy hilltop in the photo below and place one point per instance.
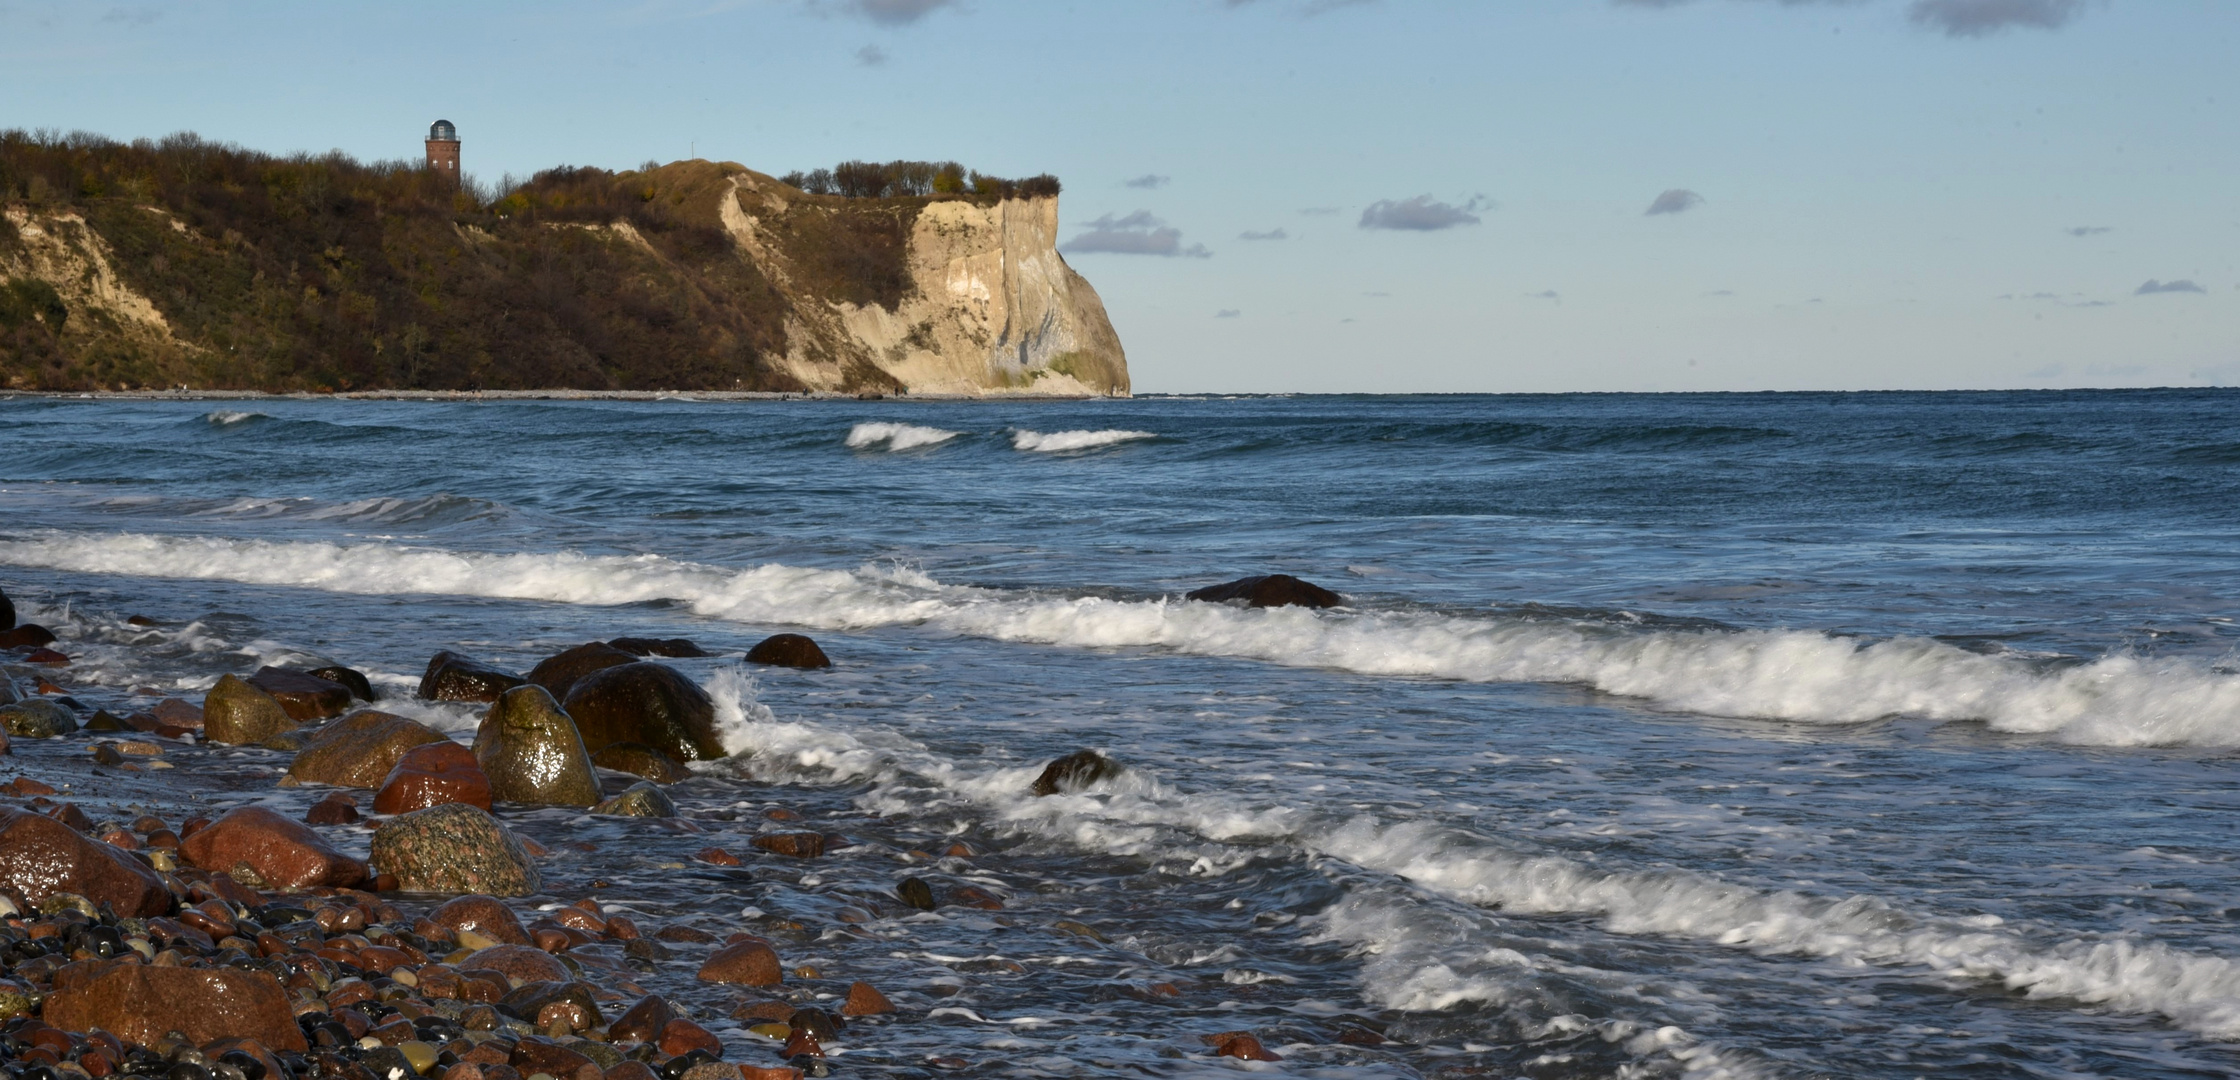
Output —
(183, 262)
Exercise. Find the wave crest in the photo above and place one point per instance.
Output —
(1788, 675)
(1036, 442)
(897, 436)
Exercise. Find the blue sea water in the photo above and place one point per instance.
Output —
(1709, 735)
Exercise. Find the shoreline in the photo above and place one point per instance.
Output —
(528, 395)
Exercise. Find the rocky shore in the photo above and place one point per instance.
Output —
(283, 880)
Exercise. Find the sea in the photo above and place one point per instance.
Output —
(1721, 735)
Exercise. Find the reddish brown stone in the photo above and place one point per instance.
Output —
(336, 809)
(29, 635)
(748, 963)
(768, 1072)
(645, 1020)
(865, 1000)
(973, 896)
(140, 1004)
(432, 775)
(682, 1036)
(40, 857)
(284, 853)
(1269, 590)
(534, 1054)
(173, 712)
(777, 1012)
(714, 855)
(801, 1044)
(523, 962)
(1240, 1044)
(485, 915)
(629, 1070)
(359, 750)
(305, 697)
(679, 933)
(800, 845)
(47, 658)
(23, 787)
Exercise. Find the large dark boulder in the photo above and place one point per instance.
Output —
(350, 677)
(304, 696)
(676, 647)
(788, 650)
(647, 703)
(529, 750)
(639, 759)
(559, 674)
(1074, 772)
(454, 677)
(1269, 590)
(7, 612)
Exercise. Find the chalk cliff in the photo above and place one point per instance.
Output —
(238, 271)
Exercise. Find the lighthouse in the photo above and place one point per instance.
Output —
(443, 149)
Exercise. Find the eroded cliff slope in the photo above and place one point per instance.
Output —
(186, 264)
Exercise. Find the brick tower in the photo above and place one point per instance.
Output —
(443, 149)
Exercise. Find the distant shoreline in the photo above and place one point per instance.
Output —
(524, 395)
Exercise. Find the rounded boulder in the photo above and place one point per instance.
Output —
(532, 753)
(280, 852)
(432, 775)
(647, 703)
(238, 714)
(359, 750)
(454, 848)
(559, 674)
(789, 650)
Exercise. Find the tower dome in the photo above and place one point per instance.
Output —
(442, 131)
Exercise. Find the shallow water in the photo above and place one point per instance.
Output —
(1860, 735)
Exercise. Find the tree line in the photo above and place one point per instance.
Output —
(908, 179)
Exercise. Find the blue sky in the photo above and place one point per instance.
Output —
(1444, 196)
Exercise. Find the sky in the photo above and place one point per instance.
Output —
(1365, 195)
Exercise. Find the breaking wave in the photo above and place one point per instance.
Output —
(225, 418)
(1037, 442)
(1421, 960)
(1796, 676)
(897, 436)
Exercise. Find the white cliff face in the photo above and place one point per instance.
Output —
(992, 308)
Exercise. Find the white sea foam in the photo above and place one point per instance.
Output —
(1059, 441)
(1796, 676)
(232, 418)
(897, 436)
(1416, 960)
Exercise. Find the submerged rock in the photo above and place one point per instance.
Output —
(41, 857)
(642, 799)
(142, 1004)
(532, 753)
(350, 677)
(454, 677)
(1074, 772)
(559, 673)
(788, 650)
(638, 759)
(485, 915)
(432, 775)
(647, 703)
(360, 749)
(338, 808)
(26, 636)
(746, 963)
(281, 853)
(305, 697)
(676, 647)
(454, 848)
(37, 718)
(238, 714)
(524, 962)
(1269, 590)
